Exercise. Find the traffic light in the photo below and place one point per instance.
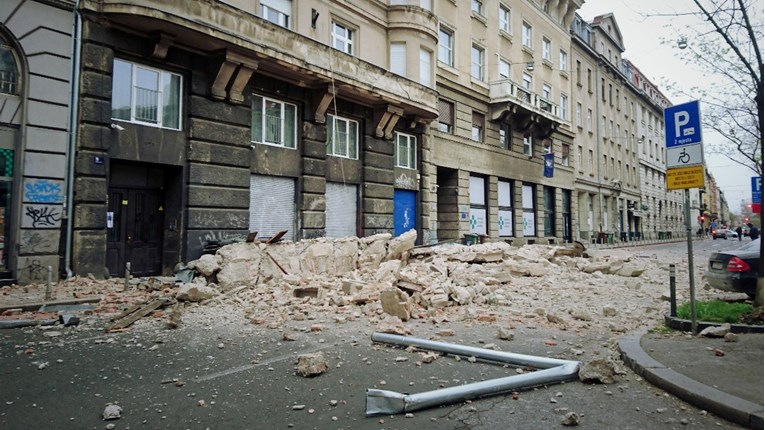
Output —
(701, 218)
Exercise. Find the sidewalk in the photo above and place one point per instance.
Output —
(724, 378)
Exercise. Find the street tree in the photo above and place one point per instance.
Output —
(726, 46)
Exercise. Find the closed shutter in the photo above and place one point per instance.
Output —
(425, 68)
(272, 206)
(341, 210)
(398, 58)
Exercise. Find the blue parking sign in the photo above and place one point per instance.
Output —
(682, 124)
(757, 189)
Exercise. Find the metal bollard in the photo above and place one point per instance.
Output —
(49, 285)
(672, 296)
(127, 275)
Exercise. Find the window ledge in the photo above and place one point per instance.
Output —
(478, 17)
(547, 63)
(564, 73)
(447, 68)
(506, 35)
(527, 49)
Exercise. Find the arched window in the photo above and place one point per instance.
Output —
(9, 72)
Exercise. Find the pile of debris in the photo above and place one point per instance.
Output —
(380, 268)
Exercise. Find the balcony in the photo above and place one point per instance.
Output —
(523, 108)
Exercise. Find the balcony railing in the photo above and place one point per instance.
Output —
(509, 91)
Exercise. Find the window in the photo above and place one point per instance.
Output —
(406, 151)
(446, 46)
(526, 36)
(578, 72)
(398, 58)
(549, 210)
(578, 114)
(564, 154)
(478, 127)
(146, 96)
(342, 137)
(528, 145)
(589, 80)
(505, 206)
(445, 116)
(276, 11)
(564, 106)
(273, 122)
(342, 38)
(477, 6)
(546, 49)
(476, 62)
(504, 136)
(527, 81)
(579, 152)
(504, 19)
(563, 61)
(504, 69)
(589, 120)
(591, 161)
(546, 92)
(529, 218)
(9, 73)
(426, 72)
(477, 196)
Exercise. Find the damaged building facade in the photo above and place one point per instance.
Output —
(196, 122)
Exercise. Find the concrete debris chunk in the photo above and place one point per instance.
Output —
(312, 364)
(393, 325)
(194, 292)
(505, 333)
(716, 331)
(571, 419)
(112, 412)
(396, 302)
(597, 370)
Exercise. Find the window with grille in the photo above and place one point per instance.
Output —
(145, 95)
(274, 122)
(9, 75)
(342, 137)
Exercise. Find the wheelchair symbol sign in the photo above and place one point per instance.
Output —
(684, 156)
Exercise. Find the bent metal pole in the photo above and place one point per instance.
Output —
(383, 402)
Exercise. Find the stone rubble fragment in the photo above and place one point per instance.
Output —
(312, 364)
(112, 412)
(597, 370)
(716, 331)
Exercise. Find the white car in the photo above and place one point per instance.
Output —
(724, 233)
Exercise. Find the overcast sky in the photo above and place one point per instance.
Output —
(643, 30)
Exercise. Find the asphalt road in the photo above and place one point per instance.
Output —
(235, 375)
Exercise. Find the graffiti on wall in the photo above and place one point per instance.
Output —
(41, 216)
(43, 191)
(221, 236)
(406, 181)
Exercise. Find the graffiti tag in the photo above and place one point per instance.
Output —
(43, 191)
(406, 181)
(221, 236)
(42, 216)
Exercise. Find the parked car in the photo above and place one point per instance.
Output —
(724, 233)
(736, 269)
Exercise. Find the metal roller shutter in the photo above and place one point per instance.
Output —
(341, 210)
(272, 206)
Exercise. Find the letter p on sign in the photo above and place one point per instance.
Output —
(681, 118)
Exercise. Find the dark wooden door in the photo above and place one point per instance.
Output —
(135, 235)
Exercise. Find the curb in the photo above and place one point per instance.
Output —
(686, 325)
(722, 404)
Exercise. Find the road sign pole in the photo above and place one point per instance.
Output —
(690, 258)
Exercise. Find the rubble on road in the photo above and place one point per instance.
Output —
(312, 364)
(564, 286)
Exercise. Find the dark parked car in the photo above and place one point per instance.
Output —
(737, 269)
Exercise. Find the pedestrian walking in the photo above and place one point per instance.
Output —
(754, 233)
(739, 232)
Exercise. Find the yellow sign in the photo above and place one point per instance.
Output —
(685, 177)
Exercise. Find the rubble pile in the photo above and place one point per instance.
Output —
(381, 274)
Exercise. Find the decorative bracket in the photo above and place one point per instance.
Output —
(320, 116)
(386, 121)
(162, 43)
(233, 74)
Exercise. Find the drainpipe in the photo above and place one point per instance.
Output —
(73, 109)
(598, 139)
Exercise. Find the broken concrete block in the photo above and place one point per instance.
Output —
(401, 244)
(630, 271)
(112, 412)
(312, 364)
(193, 292)
(207, 265)
(609, 311)
(396, 302)
(716, 331)
(392, 325)
(598, 370)
(237, 273)
(505, 333)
